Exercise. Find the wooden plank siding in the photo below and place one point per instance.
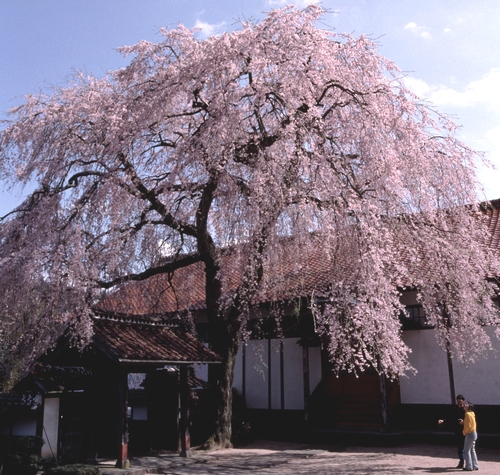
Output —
(354, 401)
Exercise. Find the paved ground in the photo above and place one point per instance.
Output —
(277, 458)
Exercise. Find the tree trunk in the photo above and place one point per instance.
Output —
(225, 342)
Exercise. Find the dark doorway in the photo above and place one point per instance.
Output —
(73, 427)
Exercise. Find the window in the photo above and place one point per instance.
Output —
(414, 318)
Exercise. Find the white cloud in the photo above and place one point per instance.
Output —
(490, 177)
(411, 26)
(297, 3)
(447, 31)
(421, 31)
(417, 86)
(492, 144)
(208, 29)
(493, 135)
(485, 91)
(478, 106)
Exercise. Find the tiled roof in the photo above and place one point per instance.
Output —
(126, 340)
(160, 295)
(45, 378)
(167, 294)
(24, 400)
(492, 214)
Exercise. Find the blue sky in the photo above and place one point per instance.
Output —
(449, 49)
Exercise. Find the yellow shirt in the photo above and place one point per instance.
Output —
(469, 423)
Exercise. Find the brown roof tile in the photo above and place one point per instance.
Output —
(492, 214)
(163, 294)
(125, 340)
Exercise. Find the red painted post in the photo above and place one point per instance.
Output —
(122, 459)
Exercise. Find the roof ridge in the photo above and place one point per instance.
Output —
(134, 319)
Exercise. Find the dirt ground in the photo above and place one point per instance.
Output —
(406, 459)
(280, 458)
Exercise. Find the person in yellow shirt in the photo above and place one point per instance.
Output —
(470, 433)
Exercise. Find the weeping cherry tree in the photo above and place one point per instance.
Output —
(273, 141)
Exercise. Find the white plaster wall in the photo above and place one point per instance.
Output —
(479, 382)
(256, 385)
(25, 426)
(293, 374)
(262, 364)
(50, 426)
(201, 370)
(238, 371)
(431, 383)
(140, 413)
(315, 374)
(275, 374)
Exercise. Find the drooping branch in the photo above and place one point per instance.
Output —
(167, 268)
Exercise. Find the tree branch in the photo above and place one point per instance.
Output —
(156, 204)
(152, 271)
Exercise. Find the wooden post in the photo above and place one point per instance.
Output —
(449, 357)
(282, 375)
(269, 374)
(383, 400)
(307, 387)
(122, 456)
(451, 375)
(184, 422)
